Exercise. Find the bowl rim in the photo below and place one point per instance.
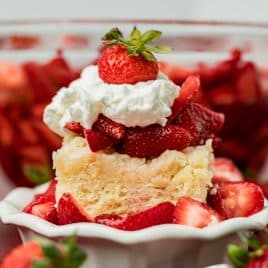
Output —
(10, 213)
(4, 22)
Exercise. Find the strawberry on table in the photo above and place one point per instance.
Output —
(236, 199)
(46, 254)
(129, 61)
(194, 213)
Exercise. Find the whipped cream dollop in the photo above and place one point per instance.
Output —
(141, 104)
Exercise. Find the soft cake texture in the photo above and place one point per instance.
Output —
(109, 182)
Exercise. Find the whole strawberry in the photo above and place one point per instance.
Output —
(255, 255)
(46, 254)
(129, 61)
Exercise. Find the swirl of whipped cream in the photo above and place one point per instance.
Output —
(141, 104)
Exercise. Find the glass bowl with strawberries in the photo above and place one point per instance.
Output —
(136, 168)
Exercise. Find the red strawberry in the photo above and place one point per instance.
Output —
(27, 133)
(73, 41)
(222, 95)
(199, 121)
(97, 141)
(59, 71)
(12, 76)
(23, 41)
(236, 199)
(23, 256)
(43, 205)
(117, 66)
(52, 140)
(153, 140)
(36, 153)
(156, 215)
(175, 72)
(75, 127)
(69, 211)
(41, 84)
(129, 61)
(38, 110)
(246, 82)
(225, 170)
(194, 213)
(7, 132)
(108, 127)
(259, 262)
(188, 90)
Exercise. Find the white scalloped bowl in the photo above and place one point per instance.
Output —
(162, 246)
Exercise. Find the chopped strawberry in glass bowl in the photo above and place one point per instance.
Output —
(26, 143)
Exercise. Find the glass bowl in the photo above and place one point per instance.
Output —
(198, 47)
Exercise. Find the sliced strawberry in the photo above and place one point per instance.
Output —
(23, 256)
(69, 211)
(156, 215)
(75, 127)
(222, 95)
(47, 196)
(199, 121)
(52, 140)
(175, 72)
(23, 41)
(224, 170)
(12, 75)
(46, 211)
(236, 199)
(38, 110)
(33, 153)
(7, 132)
(108, 127)
(97, 141)
(188, 90)
(246, 82)
(72, 41)
(41, 84)
(27, 133)
(264, 187)
(43, 205)
(193, 213)
(153, 140)
(59, 71)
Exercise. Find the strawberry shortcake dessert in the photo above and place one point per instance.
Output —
(138, 149)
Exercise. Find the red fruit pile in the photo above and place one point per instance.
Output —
(190, 124)
(26, 143)
(229, 197)
(233, 87)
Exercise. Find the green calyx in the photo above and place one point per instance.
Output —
(64, 255)
(138, 43)
(241, 256)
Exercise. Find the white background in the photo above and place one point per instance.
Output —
(231, 10)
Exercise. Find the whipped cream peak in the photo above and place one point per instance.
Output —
(141, 104)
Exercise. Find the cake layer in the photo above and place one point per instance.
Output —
(114, 183)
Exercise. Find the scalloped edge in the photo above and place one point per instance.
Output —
(12, 204)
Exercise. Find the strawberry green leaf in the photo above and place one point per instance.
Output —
(160, 49)
(147, 55)
(53, 254)
(150, 36)
(74, 256)
(238, 256)
(135, 34)
(37, 173)
(44, 263)
(114, 33)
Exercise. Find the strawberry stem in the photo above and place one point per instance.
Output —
(138, 43)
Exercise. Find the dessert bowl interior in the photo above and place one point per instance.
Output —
(176, 242)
